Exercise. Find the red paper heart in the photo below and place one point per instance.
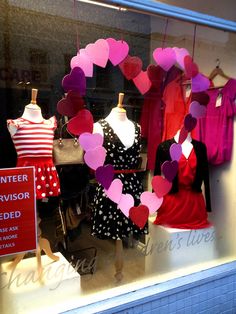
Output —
(131, 67)
(71, 104)
(81, 123)
(139, 215)
(201, 97)
(182, 135)
(155, 74)
(161, 186)
(191, 68)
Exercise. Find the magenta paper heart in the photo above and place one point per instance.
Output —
(180, 53)
(166, 57)
(189, 122)
(150, 200)
(170, 169)
(90, 141)
(81, 123)
(182, 135)
(104, 175)
(161, 186)
(95, 158)
(200, 83)
(82, 61)
(115, 191)
(118, 50)
(125, 203)
(197, 110)
(131, 67)
(142, 82)
(71, 104)
(175, 151)
(98, 52)
(75, 81)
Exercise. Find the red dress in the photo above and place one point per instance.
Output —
(185, 209)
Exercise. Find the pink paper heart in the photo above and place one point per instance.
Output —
(142, 82)
(189, 122)
(200, 83)
(125, 203)
(169, 169)
(90, 141)
(82, 122)
(131, 67)
(95, 158)
(75, 81)
(71, 104)
(175, 151)
(197, 110)
(150, 200)
(115, 191)
(118, 50)
(180, 53)
(104, 175)
(82, 61)
(98, 52)
(166, 57)
(161, 186)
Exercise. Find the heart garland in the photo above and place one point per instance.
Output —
(81, 122)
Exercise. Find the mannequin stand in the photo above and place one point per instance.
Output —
(119, 260)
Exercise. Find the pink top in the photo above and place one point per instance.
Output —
(216, 128)
(33, 139)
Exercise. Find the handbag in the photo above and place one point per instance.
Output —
(67, 151)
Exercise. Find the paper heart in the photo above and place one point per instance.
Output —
(75, 81)
(180, 53)
(71, 104)
(139, 215)
(175, 151)
(125, 203)
(81, 123)
(104, 175)
(191, 68)
(189, 122)
(170, 169)
(155, 74)
(161, 186)
(131, 67)
(182, 135)
(95, 158)
(197, 110)
(82, 61)
(142, 82)
(115, 191)
(98, 52)
(118, 50)
(90, 141)
(201, 97)
(150, 200)
(166, 57)
(200, 83)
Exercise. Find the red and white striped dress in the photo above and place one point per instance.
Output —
(33, 143)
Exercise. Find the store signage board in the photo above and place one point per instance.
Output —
(18, 231)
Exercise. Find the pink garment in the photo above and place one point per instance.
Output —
(216, 128)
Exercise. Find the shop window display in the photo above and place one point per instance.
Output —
(146, 106)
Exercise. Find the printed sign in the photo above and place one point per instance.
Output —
(17, 210)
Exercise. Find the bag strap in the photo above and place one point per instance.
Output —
(61, 130)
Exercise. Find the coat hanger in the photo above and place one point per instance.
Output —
(218, 71)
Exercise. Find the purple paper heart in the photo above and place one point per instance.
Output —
(200, 83)
(95, 158)
(169, 169)
(197, 110)
(189, 122)
(104, 175)
(166, 57)
(175, 151)
(75, 81)
(90, 141)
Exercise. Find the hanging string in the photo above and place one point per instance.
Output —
(194, 40)
(164, 36)
(77, 28)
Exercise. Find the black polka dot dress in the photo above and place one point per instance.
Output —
(108, 221)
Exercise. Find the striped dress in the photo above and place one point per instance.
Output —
(33, 143)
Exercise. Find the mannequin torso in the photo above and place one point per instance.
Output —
(187, 146)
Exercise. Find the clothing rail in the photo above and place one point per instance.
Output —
(158, 8)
